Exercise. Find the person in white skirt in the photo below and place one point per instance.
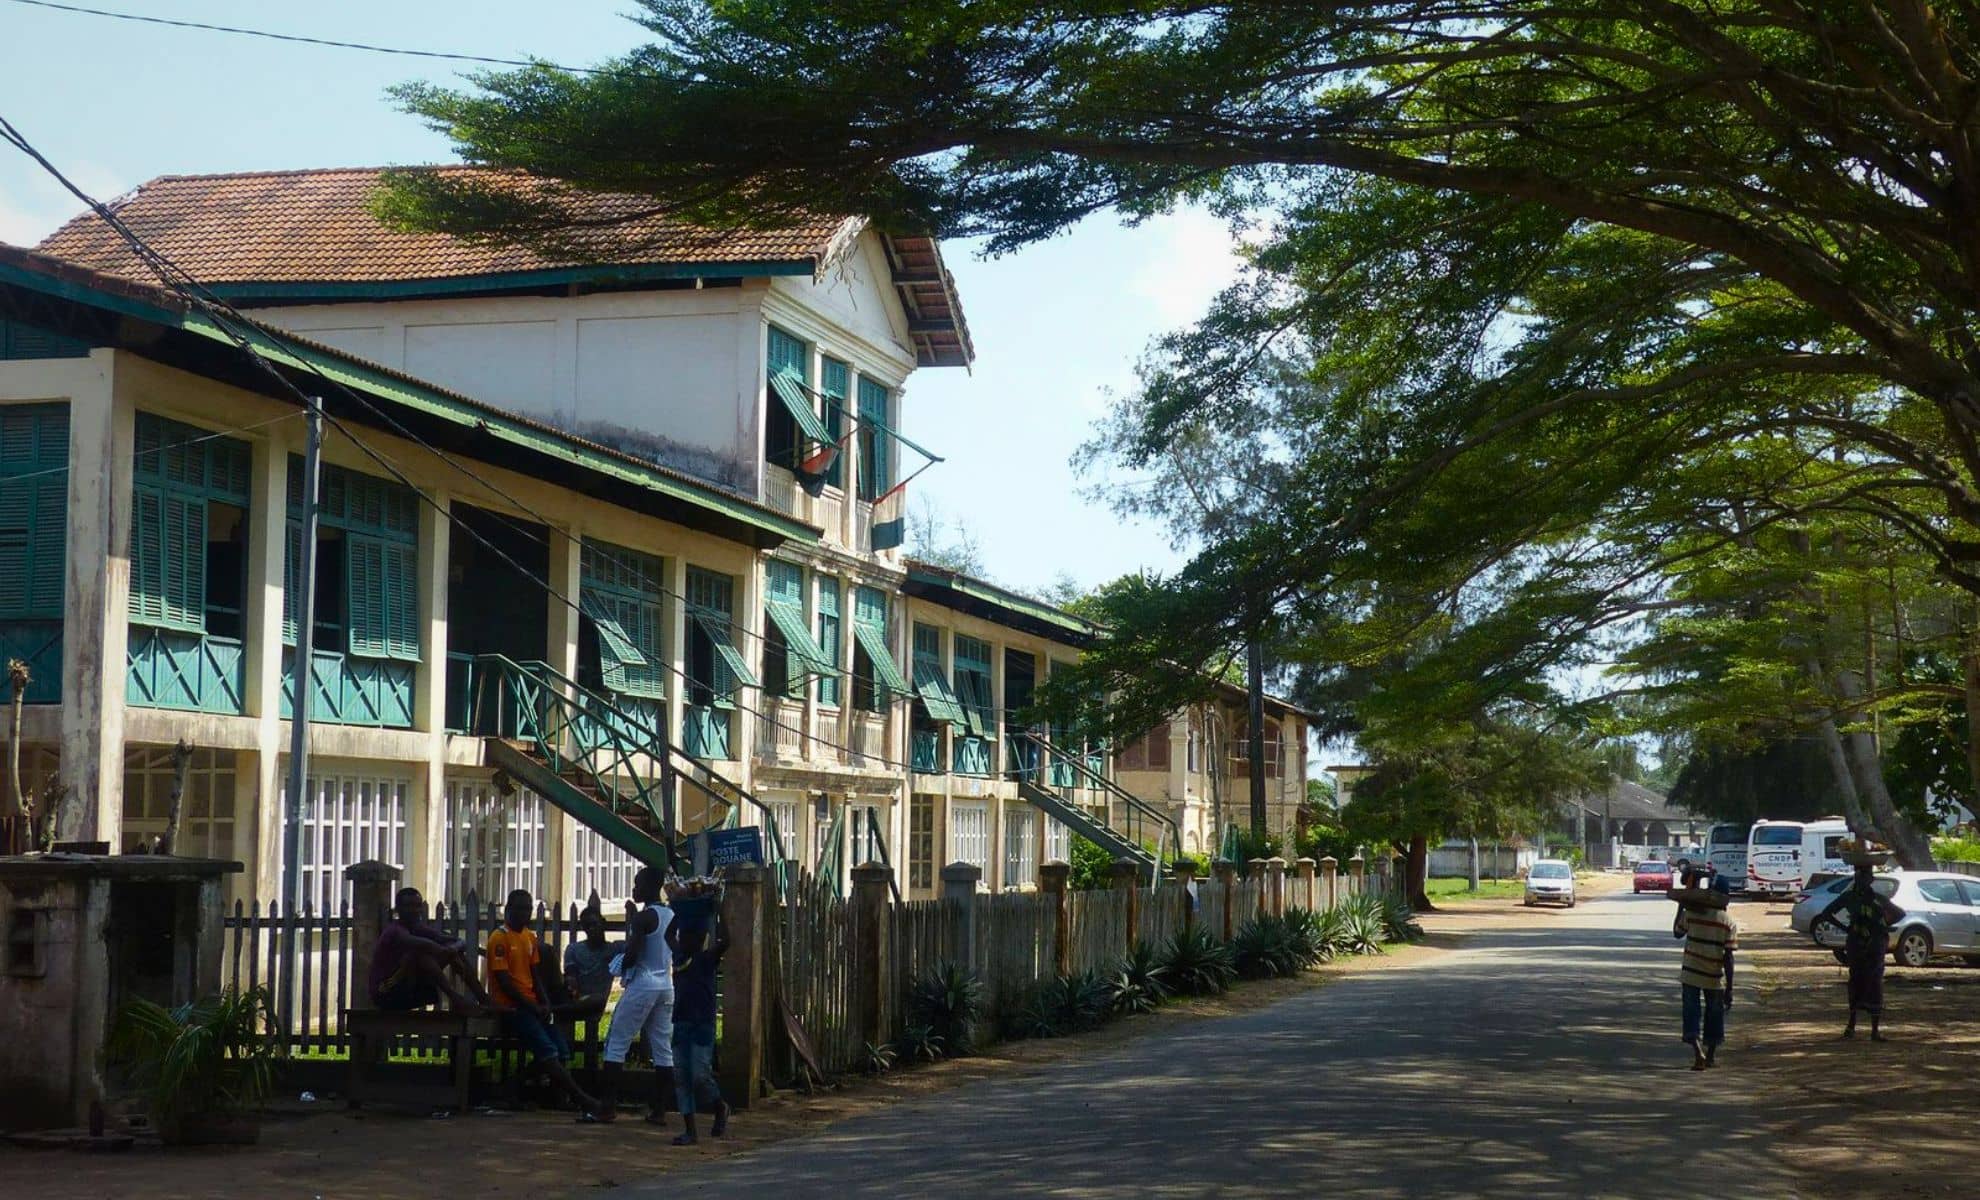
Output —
(646, 1006)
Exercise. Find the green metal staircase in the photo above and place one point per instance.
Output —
(1047, 778)
(607, 767)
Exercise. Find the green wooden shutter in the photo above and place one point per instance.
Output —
(402, 640)
(364, 581)
(828, 639)
(184, 548)
(291, 581)
(835, 384)
(34, 510)
(876, 471)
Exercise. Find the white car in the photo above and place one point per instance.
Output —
(1550, 881)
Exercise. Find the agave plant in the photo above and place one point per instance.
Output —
(949, 1001)
(1068, 1004)
(1399, 920)
(213, 1058)
(1138, 984)
(921, 1043)
(1196, 964)
(1304, 938)
(879, 1058)
(1264, 948)
(1362, 930)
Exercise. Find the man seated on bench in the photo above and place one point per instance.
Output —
(588, 966)
(516, 981)
(412, 961)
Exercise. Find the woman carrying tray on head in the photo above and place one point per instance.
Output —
(1868, 940)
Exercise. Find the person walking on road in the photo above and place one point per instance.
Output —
(1867, 939)
(1710, 935)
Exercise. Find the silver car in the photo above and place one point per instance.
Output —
(1941, 915)
(1550, 881)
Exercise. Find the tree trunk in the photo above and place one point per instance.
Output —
(1970, 661)
(1860, 823)
(1912, 848)
(1416, 873)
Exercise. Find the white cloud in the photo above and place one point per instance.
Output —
(1194, 257)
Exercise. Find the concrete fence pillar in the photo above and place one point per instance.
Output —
(1382, 874)
(745, 1010)
(871, 885)
(1330, 881)
(1275, 885)
(959, 880)
(1126, 876)
(1053, 877)
(1357, 874)
(1227, 882)
(1254, 870)
(1303, 882)
(1399, 875)
(1185, 879)
(372, 887)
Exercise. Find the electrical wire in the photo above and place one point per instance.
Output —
(332, 43)
(194, 441)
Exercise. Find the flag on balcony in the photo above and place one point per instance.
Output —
(890, 517)
(813, 468)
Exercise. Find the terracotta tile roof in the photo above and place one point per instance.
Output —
(315, 226)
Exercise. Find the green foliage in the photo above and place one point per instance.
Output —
(880, 1058)
(948, 1003)
(1307, 934)
(1399, 922)
(1250, 845)
(213, 1057)
(921, 1043)
(1269, 946)
(1091, 865)
(1067, 1004)
(1362, 925)
(1195, 963)
(1199, 860)
(1962, 847)
(1139, 982)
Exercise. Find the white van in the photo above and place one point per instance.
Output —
(1819, 848)
(1773, 858)
(1725, 851)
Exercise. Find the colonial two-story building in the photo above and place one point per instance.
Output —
(605, 552)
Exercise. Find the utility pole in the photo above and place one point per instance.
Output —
(304, 683)
(1257, 739)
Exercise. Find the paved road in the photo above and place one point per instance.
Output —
(1541, 1060)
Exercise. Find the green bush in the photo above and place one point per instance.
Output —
(1362, 928)
(1960, 847)
(920, 1043)
(1139, 983)
(1307, 937)
(1246, 845)
(1091, 866)
(1200, 861)
(1068, 1004)
(947, 1002)
(1263, 949)
(1399, 920)
(1196, 964)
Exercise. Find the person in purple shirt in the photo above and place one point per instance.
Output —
(695, 962)
(412, 960)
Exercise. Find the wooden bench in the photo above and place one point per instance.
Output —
(373, 1078)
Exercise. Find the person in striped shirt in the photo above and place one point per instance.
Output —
(1710, 937)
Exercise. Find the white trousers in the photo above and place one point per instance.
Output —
(646, 1006)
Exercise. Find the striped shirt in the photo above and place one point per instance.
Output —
(1708, 934)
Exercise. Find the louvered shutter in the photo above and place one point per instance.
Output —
(291, 582)
(401, 573)
(364, 579)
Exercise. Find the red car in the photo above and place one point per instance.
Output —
(1653, 876)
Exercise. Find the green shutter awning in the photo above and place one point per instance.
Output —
(973, 697)
(874, 641)
(790, 389)
(789, 620)
(933, 688)
(716, 626)
(614, 643)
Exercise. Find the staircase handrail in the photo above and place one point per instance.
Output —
(606, 717)
(1129, 799)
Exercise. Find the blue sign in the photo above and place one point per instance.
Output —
(730, 847)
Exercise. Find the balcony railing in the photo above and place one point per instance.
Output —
(706, 732)
(187, 671)
(869, 739)
(974, 755)
(780, 730)
(925, 752)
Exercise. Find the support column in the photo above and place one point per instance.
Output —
(744, 1020)
(1185, 872)
(426, 857)
(96, 615)
(1275, 886)
(1254, 870)
(561, 649)
(1126, 876)
(871, 986)
(1052, 880)
(372, 886)
(959, 880)
(1303, 884)
(268, 526)
(1330, 882)
(1357, 874)
(1226, 871)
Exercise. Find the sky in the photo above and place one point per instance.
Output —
(1057, 326)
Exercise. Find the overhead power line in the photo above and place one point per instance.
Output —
(301, 39)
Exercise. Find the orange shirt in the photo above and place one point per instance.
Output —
(514, 954)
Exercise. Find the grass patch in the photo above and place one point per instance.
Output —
(1457, 889)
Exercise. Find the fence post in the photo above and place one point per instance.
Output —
(372, 885)
(745, 1020)
(1275, 880)
(1330, 881)
(1357, 874)
(1052, 880)
(869, 896)
(1399, 875)
(1126, 874)
(1186, 876)
(1303, 876)
(959, 880)
(1254, 870)
(1227, 880)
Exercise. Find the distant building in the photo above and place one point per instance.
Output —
(1632, 816)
